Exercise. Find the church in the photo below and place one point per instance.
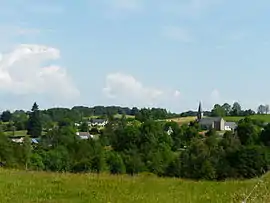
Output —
(217, 123)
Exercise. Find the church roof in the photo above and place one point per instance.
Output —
(209, 120)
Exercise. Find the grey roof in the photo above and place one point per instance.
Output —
(83, 134)
(232, 125)
(209, 120)
(34, 140)
(96, 120)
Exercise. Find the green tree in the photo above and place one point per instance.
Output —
(27, 151)
(6, 116)
(247, 132)
(34, 127)
(36, 162)
(177, 135)
(115, 163)
(144, 115)
(227, 108)
(265, 135)
(84, 127)
(250, 161)
(133, 162)
(6, 151)
(236, 109)
(218, 111)
(57, 159)
(199, 160)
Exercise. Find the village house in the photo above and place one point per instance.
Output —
(84, 135)
(95, 122)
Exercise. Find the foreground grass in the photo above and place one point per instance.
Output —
(26, 187)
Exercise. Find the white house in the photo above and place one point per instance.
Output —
(84, 135)
(97, 122)
(230, 126)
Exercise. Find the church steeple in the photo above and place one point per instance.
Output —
(199, 113)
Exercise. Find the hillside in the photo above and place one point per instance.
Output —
(265, 118)
(183, 120)
(25, 187)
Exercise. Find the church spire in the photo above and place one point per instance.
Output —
(200, 113)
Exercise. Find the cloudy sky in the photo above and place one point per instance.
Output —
(170, 53)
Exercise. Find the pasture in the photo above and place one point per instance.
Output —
(25, 187)
(264, 118)
(185, 120)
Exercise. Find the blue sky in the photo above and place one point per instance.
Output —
(134, 53)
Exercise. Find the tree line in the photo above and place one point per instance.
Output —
(143, 145)
(226, 109)
(18, 119)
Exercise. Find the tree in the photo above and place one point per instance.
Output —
(115, 163)
(144, 115)
(266, 108)
(227, 108)
(6, 116)
(247, 132)
(261, 109)
(265, 135)
(236, 109)
(27, 151)
(20, 120)
(197, 158)
(34, 127)
(218, 111)
(84, 127)
(177, 135)
(250, 161)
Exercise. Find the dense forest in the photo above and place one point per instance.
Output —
(143, 144)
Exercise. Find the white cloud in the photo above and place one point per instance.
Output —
(128, 90)
(22, 73)
(176, 93)
(177, 33)
(215, 96)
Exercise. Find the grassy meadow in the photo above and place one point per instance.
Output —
(16, 133)
(26, 187)
(265, 118)
(184, 120)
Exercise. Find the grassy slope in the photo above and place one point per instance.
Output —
(265, 118)
(17, 133)
(182, 120)
(25, 187)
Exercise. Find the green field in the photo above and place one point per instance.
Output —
(26, 187)
(116, 116)
(16, 133)
(265, 118)
(183, 120)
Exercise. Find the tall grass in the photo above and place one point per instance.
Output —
(28, 187)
